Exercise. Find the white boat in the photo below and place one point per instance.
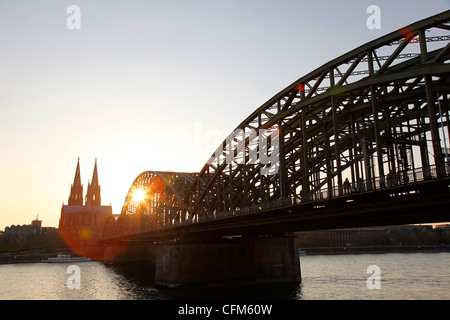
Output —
(62, 258)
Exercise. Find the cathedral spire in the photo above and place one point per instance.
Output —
(95, 175)
(77, 179)
(76, 190)
(93, 193)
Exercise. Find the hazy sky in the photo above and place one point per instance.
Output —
(151, 85)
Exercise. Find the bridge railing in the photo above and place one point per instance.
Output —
(390, 180)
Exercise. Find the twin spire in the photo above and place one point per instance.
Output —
(93, 191)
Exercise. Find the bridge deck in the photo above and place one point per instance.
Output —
(421, 202)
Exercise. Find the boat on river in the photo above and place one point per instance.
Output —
(64, 258)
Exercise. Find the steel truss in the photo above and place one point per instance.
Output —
(377, 116)
(162, 202)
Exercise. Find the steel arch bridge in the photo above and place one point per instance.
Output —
(373, 119)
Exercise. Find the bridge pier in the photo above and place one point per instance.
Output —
(129, 252)
(250, 260)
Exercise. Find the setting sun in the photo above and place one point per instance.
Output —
(138, 195)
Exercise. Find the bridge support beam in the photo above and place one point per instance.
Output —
(271, 259)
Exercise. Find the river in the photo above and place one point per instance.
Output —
(403, 276)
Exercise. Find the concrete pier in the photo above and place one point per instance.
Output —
(241, 260)
(269, 259)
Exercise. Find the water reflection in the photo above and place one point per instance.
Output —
(139, 280)
(403, 276)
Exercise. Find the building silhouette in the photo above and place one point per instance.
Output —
(396, 235)
(81, 222)
(20, 233)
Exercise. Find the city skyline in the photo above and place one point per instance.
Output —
(151, 85)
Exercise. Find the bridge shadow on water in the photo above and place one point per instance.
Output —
(137, 280)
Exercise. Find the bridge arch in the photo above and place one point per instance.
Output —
(161, 202)
(377, 116)
(376, 111)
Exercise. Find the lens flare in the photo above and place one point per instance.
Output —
(157, 186)
(300, 87)
(85, 234)
(406, 32)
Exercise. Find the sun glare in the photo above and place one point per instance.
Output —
(138, 195)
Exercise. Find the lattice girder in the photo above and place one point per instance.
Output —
(379, 110)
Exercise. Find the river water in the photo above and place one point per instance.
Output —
(403, 276)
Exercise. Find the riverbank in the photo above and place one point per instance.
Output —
(376, 249)
(33, 258)
(30, 256)
(27, 258)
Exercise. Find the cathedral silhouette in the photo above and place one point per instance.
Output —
(81, 223)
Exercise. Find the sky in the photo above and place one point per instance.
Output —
(151, 85)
